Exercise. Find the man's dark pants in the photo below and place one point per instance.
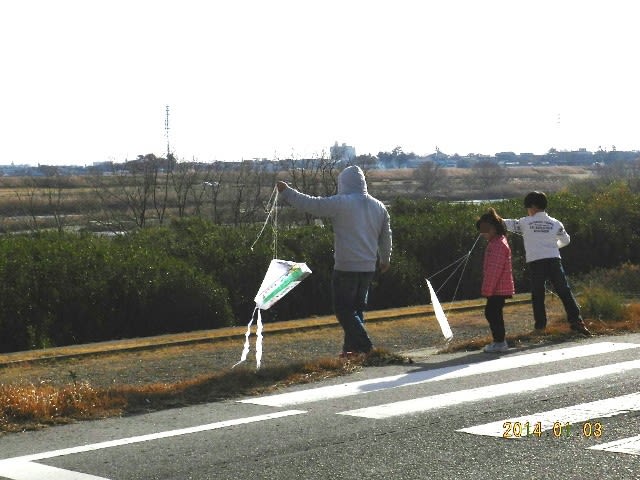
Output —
(350, 291)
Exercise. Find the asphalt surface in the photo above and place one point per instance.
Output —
(325, 439)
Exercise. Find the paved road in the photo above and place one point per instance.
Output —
(443, 417)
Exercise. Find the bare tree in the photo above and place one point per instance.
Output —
(366, 162)
(213, 182)
(254, 182)
(240, 190)
(54, 195)
(329, 176)
(42, 200)
(618, 170)
(488, 176)
(27, 198)
(184, 179)
(258, 178)
(314, 176)
(634, 168)
(430, 177)
(161, 170)
(304, 174)
(131, 188)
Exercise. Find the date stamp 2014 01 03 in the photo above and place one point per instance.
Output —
(590, 429)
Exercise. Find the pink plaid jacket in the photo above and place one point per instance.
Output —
(497, 278)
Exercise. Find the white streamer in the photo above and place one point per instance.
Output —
(258, 340)
(440, 316)
(245, 350)
(437, 308)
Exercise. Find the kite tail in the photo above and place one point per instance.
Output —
(245, 350)
(439, 313)
(258, 340)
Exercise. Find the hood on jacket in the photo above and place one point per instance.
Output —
(351, 180)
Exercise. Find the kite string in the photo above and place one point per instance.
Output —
(463, 268)
(272, 214)
(461, 259)
(274, 224)
(460, 262)
(447, 267)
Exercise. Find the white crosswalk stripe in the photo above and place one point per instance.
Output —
(558, 418)
(36, 471)
(629, 445)
(587, 417)
(423, 404)
(509, 362)
(26, 468)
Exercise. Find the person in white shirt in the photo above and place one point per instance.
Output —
(543, 237)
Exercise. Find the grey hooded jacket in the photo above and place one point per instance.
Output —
(361, 226)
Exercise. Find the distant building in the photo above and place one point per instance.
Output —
(342, 153)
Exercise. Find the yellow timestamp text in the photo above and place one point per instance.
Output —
(558, 430)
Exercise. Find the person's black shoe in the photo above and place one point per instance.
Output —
(580, 327)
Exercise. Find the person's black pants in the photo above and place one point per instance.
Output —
(551, 269)
(350, 292)
(493, 313)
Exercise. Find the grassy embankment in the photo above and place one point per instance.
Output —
(28, 405)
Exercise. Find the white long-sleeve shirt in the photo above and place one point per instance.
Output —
(543, 235)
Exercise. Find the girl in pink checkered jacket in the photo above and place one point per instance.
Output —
(497, 278)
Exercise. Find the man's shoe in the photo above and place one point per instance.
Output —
(496, 347)
(580, 327)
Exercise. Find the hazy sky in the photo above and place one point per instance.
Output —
(88, 80)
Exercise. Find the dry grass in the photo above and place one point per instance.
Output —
(27, 406)
(458, 184)
(33, 406)
(514, 172)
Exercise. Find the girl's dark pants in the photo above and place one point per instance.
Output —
(493, 313)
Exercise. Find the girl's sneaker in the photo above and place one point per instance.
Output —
(496, 347)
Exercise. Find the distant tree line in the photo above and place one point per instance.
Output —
(396, 158)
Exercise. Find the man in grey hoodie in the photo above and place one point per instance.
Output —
(362, 237)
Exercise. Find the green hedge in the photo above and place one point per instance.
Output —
(58, 289)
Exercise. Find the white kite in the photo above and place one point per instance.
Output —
(281, 277)
(440, 316)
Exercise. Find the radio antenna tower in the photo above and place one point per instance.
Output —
(166, 130)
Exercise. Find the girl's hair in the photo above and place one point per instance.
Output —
(492, 218)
